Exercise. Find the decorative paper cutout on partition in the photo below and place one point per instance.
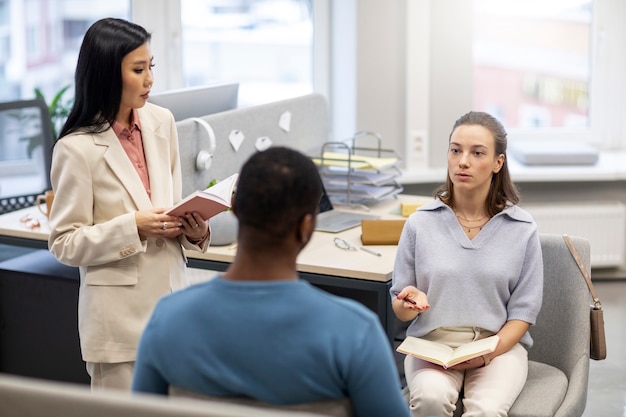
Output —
(263, 143)
(236, 137)
(285, 121)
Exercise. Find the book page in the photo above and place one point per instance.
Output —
(207, 202)
(473, 349)
(223, 190)
(425, 349)
(444, 355)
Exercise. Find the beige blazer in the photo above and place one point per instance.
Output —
(92, 223)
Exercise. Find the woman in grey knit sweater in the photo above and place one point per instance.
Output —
(469, 266)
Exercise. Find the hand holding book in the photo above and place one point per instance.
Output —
(209, 202)
(444, 355)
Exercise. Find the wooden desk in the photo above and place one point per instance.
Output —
(358, 275)
(15, 232)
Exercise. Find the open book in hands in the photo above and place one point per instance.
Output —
(444, 355)
(209, 202)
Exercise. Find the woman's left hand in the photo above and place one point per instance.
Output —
(474, 363)
(194, 227)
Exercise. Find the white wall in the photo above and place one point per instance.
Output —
(381, 69)
(368, 69)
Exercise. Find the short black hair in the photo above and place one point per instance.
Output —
(276, 189)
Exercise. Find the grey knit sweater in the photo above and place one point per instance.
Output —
(483, 282)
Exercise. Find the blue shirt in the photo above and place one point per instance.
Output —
(280, 342)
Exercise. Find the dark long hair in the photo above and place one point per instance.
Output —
(98, 77)
(502, 189)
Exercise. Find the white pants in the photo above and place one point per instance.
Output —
(487, 391)
(111, 375)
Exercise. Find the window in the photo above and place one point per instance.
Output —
(532, 61)
(549, 70)
(39, 43)
(265, 45)
(24, 149)
(38, 49)
(4, 12)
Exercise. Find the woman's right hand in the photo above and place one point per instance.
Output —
(413, 299)
(403, 305)
(153, 223)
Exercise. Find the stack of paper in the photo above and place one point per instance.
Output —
(357, 178)
(341, 176)
(338, 159)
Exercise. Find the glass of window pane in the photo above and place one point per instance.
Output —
(532, 61)
(265, 45)
(39, 43)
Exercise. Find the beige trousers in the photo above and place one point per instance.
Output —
(487, 391)
(117, 376)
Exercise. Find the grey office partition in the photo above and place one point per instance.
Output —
(301, 123)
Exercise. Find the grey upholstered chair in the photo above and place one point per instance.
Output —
(29, 397)
(330, 408)
(559, 368)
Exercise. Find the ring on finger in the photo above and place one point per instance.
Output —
(164, 227)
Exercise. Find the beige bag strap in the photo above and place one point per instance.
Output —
(596, 301)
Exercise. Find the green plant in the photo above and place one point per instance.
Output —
(57, 108)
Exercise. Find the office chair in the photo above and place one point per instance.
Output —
(558, 371)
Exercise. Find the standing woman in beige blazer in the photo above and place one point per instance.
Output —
(115, 170)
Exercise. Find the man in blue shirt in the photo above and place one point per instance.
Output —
(260, 332)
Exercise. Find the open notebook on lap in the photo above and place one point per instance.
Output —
(334, 221)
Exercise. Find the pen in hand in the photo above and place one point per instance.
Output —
(408, 300)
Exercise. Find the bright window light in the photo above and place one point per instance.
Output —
(265, 45)
(532, 62)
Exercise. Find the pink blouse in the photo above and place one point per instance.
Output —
(132, 143)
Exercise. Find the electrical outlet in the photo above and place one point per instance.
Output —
(416, 150)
